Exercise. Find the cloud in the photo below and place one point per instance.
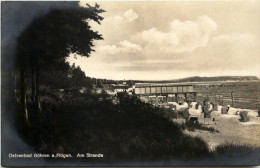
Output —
(246, 37)
(120, 48)
(183, 36)
(116, 27)
(228, 54)
(152, 44)
(128, 16)
(141, 43)
(146, 65)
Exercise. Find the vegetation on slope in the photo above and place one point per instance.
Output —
(130, 129)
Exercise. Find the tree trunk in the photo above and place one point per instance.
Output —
(33, 84)
(37, 87)
(24, 111)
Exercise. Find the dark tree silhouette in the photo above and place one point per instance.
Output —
(78, 78)
(48, 41)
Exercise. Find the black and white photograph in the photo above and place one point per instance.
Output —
(130, 83)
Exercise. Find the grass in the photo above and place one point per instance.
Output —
(127, 130)
(192, 126)
(231, 150)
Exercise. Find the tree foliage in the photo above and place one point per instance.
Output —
(46, 43)
(52, 37)
(78, 78)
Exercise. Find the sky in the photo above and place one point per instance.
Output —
(166, 40)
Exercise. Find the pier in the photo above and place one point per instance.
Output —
(164, 93)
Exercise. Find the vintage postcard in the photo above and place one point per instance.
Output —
(130, 83)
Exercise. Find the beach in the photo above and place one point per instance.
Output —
(228, 129)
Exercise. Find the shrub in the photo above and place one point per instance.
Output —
(229, 149)
(132, 129)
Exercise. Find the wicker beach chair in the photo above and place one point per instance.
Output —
(243, 116)
(224, 110)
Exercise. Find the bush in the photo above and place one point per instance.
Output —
(131, 129)
(230, 149)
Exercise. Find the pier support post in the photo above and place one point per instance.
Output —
(232, 97)
(195, 97)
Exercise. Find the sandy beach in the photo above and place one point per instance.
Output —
(230, 129)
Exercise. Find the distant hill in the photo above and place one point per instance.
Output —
(189, 79)
(206, 79)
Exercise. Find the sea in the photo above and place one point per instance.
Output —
(245, 94)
